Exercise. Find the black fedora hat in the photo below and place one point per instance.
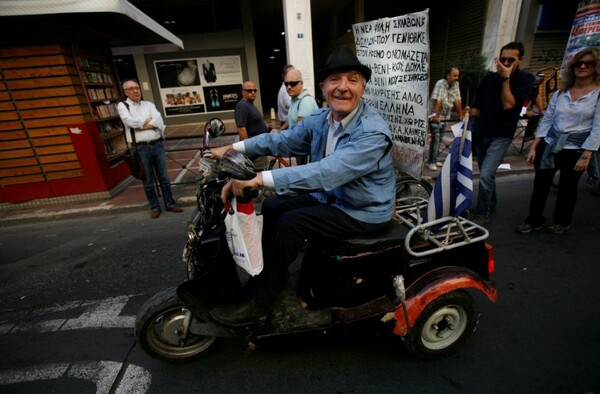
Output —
(343, 59)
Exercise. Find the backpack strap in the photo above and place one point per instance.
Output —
(130, 129)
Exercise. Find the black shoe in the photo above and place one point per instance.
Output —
(526, 228)
(248, 313)
(557, 229)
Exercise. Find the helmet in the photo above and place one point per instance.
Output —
(237, 166)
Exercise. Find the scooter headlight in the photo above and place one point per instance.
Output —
(191, 236)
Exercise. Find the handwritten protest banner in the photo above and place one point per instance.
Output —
(585, 31)
(397, 52)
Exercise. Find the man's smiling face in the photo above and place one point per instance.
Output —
(343, 91)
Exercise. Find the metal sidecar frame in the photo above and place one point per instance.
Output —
(438, 235)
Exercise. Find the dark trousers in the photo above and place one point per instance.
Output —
(288, 225)
(567, 186)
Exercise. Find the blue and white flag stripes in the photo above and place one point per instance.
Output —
(453, 189)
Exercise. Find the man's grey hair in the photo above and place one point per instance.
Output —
(127, 81)
(295, 70)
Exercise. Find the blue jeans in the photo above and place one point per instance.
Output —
(435, 131)
(154, 161)
(490, 153)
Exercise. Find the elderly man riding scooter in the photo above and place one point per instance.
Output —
(347, 190)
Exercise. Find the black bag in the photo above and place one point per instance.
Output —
(133, 161)
(132, 157)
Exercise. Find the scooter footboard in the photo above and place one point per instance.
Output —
(435, 284)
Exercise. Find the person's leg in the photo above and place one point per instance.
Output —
(435, 130)
(542, 184)
(490, 156)
(294, 229)
(147, 157)
(160, 166)
(273, 208)
(266, 286)
(288, 226)
(567, 186)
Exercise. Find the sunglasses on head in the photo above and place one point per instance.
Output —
(509, 60)
(586, 64)
(250, 90)
(291, 83)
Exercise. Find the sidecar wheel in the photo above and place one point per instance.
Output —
(159, 330)
(443, 326)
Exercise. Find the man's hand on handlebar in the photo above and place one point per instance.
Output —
(218, 152)
(237, 187)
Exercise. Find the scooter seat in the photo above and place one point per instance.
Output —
(392, 236)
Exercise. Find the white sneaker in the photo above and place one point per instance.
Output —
(439, 164)
(433, 167)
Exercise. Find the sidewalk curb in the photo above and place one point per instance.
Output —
(47, 214)
(59, 212)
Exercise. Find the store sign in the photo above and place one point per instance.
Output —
(397, 52)
(199, 85)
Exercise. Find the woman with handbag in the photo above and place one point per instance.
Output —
(565, 140)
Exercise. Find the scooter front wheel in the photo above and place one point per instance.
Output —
(162, 330)
(443, 326)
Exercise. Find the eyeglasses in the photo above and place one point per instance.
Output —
(133, 88)
(291, 83)
(250, 90)
(509, 60)
(586, 64)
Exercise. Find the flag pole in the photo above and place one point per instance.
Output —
(464, 133)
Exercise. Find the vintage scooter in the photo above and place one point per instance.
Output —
(411, 280)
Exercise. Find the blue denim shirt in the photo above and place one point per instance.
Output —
(357, 177)
(566, 115)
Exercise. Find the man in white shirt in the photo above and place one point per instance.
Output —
(283, 98)
(142, 118)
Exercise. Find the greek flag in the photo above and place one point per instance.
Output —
(453, 189)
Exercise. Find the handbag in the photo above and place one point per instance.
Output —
(133, 161)
(243, 232)
(132, 157)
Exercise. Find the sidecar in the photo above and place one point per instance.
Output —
(411, 280)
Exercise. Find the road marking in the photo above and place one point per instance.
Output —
(136, 380)
(97, 314)
(182, 173)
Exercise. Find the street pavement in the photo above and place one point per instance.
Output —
(182, 147)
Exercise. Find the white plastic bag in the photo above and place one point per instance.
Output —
(243, 233)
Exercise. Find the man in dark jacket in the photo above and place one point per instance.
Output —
(497, 106)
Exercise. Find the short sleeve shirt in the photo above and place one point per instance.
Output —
(448, 95)
(302, 106)
(248, 116)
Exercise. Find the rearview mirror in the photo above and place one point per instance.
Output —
(213, 128)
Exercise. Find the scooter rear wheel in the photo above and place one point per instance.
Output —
(159, 329)
(443, 326)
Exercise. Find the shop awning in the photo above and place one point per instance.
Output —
(118, 21)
